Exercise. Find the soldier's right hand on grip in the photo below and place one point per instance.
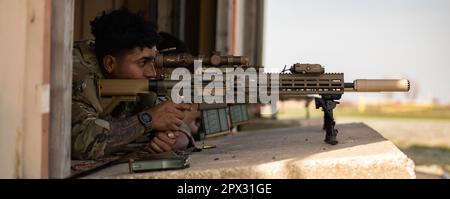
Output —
(168, 115)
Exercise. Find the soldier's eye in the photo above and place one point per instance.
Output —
(142, 63)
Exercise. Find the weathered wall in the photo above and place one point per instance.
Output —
(24, 55)
(87, 10)
(239, 28)
(61, 88)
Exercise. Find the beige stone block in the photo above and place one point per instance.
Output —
(289, 153)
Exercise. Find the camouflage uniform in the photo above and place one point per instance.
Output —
(93, 135)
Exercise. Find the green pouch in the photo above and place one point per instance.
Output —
(143, 161)
(158, 164)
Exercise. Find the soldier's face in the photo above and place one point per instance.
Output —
(136, 64)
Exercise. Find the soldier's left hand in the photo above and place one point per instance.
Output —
(191, 115)
(163, 142)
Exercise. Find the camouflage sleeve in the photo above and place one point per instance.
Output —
(87, 132)
(93, 137)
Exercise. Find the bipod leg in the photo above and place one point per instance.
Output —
(327, 105)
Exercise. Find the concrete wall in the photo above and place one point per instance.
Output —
(24, 68)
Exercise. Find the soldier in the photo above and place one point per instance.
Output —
(170, 44)
(124, 48)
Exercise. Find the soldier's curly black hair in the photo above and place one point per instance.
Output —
(119, 31)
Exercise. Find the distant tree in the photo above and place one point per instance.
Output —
(435, 101)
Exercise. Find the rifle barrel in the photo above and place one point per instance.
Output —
(378, 85)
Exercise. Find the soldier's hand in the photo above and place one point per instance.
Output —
(168, 141)
(168, 115)
(163, 142)
(191, 115)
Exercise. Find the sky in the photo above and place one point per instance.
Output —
(364, 39)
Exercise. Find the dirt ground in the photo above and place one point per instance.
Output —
(425, 141)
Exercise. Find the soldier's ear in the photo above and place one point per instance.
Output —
(109, 63)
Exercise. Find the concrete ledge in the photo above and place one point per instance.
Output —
(289, 153)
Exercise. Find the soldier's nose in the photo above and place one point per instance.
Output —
(149, 71)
